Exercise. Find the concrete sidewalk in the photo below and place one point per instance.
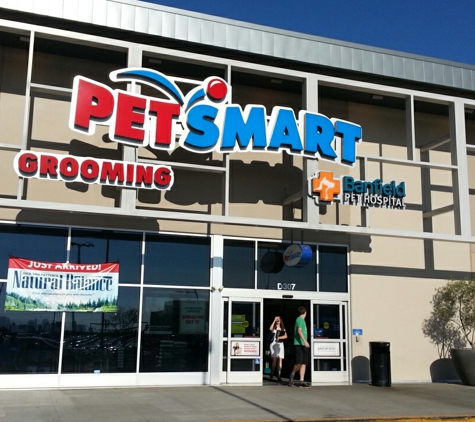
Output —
(273, 402)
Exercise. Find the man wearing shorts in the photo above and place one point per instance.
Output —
(302, 349)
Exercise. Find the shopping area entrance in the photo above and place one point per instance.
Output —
(246, 339)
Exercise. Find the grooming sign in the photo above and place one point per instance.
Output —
(202, 121)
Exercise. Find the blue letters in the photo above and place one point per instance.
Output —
(203, 133)
(350, 135)
(319, 135)
(313, 135)
(285, 131)
(235, 129)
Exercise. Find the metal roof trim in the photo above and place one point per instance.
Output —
(164, 21)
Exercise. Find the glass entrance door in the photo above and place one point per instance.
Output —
(329, 346)
(243, 339)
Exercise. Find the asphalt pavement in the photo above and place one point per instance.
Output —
(271, 402)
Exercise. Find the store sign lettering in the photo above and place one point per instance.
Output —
(327, 189)
(286, 286)
(210, 123)
(202, 121)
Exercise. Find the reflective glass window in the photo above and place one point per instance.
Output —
(238, 264)
(273, 274)
(103, 342)
(37, 243)
(57, 62)
(175, 334)
(177, 260)
(29, 341)
(13, 74)
(93, 247)
(326, 321)
(333, 269)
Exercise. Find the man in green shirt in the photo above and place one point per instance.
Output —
(302, 349)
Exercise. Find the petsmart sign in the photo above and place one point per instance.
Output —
(203, 120)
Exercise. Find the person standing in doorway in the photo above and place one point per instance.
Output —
(277, 352)
(302, 349)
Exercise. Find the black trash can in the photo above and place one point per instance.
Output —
(380, 363)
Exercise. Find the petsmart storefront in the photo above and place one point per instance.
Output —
(167, 192)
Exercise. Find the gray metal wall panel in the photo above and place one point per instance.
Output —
(324, 53)
(267, 44)
(127, 17)
(206, 32)
(113, 14)
(357, 59)
(408, 68)
(378, 64)
(388, 65)
(244, 39)
(398, 67)
(141, 23)
(458, 79)
(428, 71)
(232, 37)
(220, 35)
(467, 79)
(55, 8)
(85, 10)
(181, 28)
(155, 22)
(209, 30)
(303, 51)
(367, 62)
(335, 56)
(70, 10)
(99, 13)
(438, 74)
(194, 29)
(448, 76)
(418, 70)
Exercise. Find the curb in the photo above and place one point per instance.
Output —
(436, 418)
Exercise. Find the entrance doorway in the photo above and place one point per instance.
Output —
(287, 310)
(246, 340)
(327, 334)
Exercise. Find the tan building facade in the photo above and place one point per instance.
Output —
(212, 247)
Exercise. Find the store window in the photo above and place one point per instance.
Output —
(92, 247)
(57, 62)
(37, 243)
(175, 334)
(333, 269)
(239, 264)
(103, 342)
(29, 341)
(13, 73)
(177, 260)
(273, 274)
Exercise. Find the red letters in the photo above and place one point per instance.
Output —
(49, 166)
(68, 168)
(91, 170)
(27, 164)
(165, 112)
(92, 101)
(128, 115)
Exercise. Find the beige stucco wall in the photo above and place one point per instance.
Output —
(391, 289)
(392, 309)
